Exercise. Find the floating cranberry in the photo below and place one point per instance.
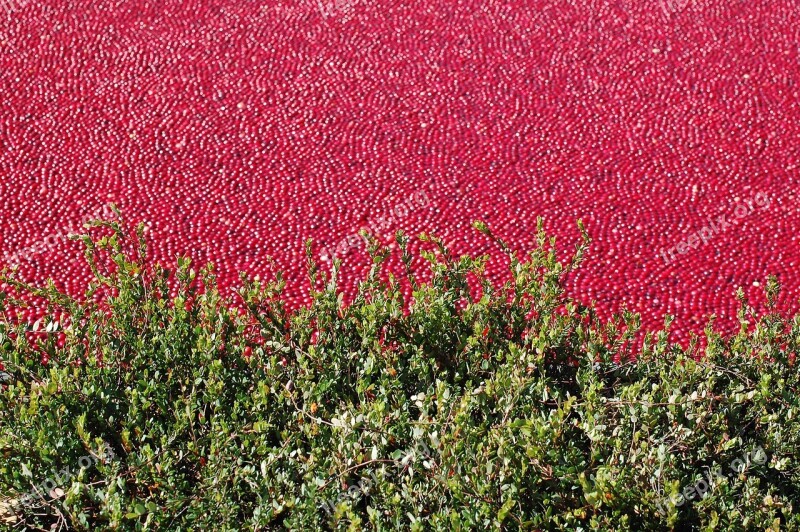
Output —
(647, 125)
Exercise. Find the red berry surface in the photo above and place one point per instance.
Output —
(238, 129)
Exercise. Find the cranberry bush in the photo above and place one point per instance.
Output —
(447, 403)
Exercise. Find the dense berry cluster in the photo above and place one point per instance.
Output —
(240, 129)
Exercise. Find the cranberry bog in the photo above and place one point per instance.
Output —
(238, 129)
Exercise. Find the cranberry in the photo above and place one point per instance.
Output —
(299, 130)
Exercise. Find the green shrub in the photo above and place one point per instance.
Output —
(466, 405)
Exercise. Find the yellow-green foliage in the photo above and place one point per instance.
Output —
(464, 406)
